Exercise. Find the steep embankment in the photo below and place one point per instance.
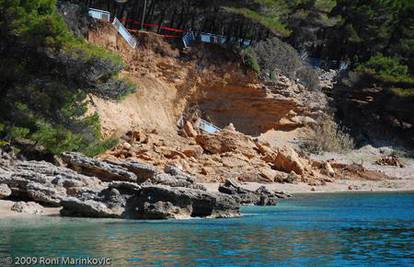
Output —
(209, 82)
(205, 80)
(151, 106)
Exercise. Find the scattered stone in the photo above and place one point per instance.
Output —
(391, 160)
(126, 146)
(288, 160)
(227, 141)
(4, 191)
(31, 208)
(353, 188)
(194, 151)
(189, 129)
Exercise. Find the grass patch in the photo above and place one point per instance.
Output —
(403, 92)
(249, 58)
(271, 22)
(328, 137)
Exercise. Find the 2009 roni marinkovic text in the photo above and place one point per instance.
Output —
(62, 260)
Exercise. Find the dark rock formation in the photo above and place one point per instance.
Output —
(175, 181)
(105, 171)
(243, 196)
(88, 208)
(163, 202)
(131, 189)
(141, 170)
(262, 196)
(44, 182)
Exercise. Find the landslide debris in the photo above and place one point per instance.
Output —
(178, 88)
(229, 154)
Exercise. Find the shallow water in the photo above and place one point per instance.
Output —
(312, 230)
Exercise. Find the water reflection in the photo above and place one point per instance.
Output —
(305, 231)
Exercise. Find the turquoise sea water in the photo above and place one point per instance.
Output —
(309, 230)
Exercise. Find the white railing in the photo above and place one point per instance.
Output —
(100, 14)
(220, 39)
(125, 33)
(188, 38)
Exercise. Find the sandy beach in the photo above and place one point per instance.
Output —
(6, 212)
(391, 185)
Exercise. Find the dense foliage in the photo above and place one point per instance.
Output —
(46, 73)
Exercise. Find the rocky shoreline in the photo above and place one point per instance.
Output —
(89, 187)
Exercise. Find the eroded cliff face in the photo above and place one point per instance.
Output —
(206, 79)
(210, 83)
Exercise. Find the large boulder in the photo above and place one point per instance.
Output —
(227, 141)
(169, 194)
(261, 196)
(105, 171)
(242, 195)
(89, 208)
(288, 160)
(47, 195)
(44, 182)
(4, 191)
(175, 177)
(143, 171)
(31, 208)
(163, 202)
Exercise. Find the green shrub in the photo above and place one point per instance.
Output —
(274, 56)
(403, 92)
(47, 72)
(250, 59)
(38, 23)
(308, 77)
(270, 21)
(388, 69)
(328, 136)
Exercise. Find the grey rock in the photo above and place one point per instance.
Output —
(28, 208)
(244, 196)
(261, 197)
(113, 198)
(4, 191)
(163, 202)
(47, 195)
(125, 187)
(89, 208)
(266, 197)
(141, 170)
(44, 182)
(174, 171)
(162, 210)
(105, 171)
(175, 180)
(98, 189)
